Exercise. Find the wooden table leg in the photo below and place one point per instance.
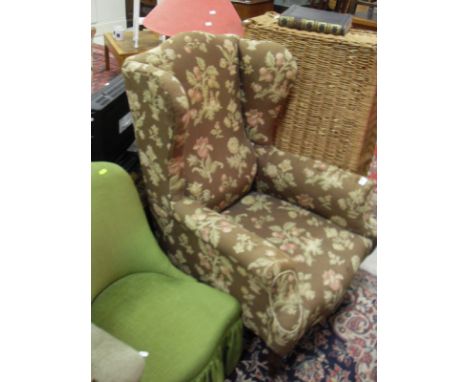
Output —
(106, 56)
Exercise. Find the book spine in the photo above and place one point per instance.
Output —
(311, 25)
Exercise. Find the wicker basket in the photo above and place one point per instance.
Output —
(332, 111)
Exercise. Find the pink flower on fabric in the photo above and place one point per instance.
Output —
(275, 112)
(288, 247)
(258, 223)
(320, 165)
(279, 59)
(202, 147)
(254, 118)
(305, 200)
(194, 95)
(265, 75)
(186, 117)
(284, 87)
(278, 235)
(290, 74)
(225, 226)
(205, 233)
(175, 165)
(256, 87)
(197, 73)
(332, 279)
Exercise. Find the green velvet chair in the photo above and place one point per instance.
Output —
(191, 331)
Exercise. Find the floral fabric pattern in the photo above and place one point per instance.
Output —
(267, 71)
(160, 135)
(207, 68)
(195, 100)
(315, 245)
(341, 196)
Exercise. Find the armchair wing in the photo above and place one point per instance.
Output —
(160, 111)
(268, 71)
(343, 197)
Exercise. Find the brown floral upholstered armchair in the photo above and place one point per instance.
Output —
(282, 233)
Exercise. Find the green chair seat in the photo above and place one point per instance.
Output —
(189, 330)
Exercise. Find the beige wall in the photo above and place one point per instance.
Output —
(105, 14)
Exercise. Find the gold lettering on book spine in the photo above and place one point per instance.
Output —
(310, 25)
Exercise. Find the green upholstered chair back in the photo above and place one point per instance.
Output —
(121, 240)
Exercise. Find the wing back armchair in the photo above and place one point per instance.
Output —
(282, 233)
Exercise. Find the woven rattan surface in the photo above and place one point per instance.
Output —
(332, 110)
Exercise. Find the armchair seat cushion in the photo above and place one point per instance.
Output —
(325, 255)
(192, 332)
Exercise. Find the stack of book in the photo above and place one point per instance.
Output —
(315, 20)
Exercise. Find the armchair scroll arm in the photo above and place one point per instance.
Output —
(345, 198)
(257, 256)
(262, 277)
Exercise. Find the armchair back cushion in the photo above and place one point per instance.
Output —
(218, 159)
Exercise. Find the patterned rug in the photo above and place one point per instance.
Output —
(100, 75)
(343, 348)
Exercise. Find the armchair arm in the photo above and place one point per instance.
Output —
(245, 248)
(262, 277)
(345, 198)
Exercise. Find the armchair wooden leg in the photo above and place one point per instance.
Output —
(275, 364)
